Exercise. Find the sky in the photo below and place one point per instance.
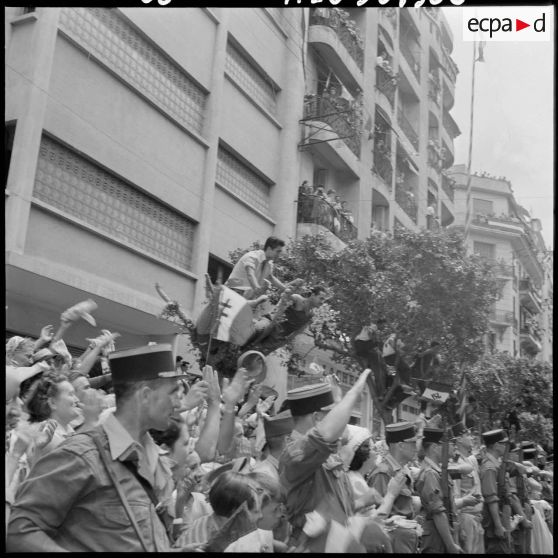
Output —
(513, 128)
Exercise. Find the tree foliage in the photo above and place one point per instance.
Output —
(421, 286)
(499, 381)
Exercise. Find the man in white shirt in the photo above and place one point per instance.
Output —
(254, 268)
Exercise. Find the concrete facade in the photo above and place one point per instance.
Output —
(144, 145)
(508, 237)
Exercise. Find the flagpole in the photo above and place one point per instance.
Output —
(468, 209)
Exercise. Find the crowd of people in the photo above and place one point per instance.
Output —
(153, 455)
(326, 208)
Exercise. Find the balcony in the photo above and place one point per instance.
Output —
(315, 210)
(447, 186)
(386, 83)
(382, 165)
(503, 318)
(434, 155)
(449, 66)
(338, 40)
(406, 201)
(339, 114)
(529, 297)
(500, 268)
(412, 59)
(389, 16)
(531, 337)
(450, 125)
(408, 129)
(434, 89)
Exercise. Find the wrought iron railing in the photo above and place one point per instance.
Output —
(339, 115)
(532, 330)
(406, 202)
(383, 166)
(412, 59)
(434, 90)
(448, 65)
(347, 34)
(501, 267)
(526, 285)
(408, 129)
(314, 209)
(386, 83)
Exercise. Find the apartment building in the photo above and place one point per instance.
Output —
(144, 145)
(506, 235)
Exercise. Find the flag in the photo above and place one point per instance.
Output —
(228, 317)
(438, 396)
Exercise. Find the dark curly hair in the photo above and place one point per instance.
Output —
(168, 436)
(40, 392)
(362, 453)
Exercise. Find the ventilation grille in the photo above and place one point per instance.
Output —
(109, 37)
(71, 183)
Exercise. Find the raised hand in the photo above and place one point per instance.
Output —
(46, 432)
(46, 334)
(263, 406)
(396, 483)
(211, 377)
(198, 393)
(233, 391)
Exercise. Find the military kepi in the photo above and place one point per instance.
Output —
(279, 425)
(309, 399)
(432, 435)
(494, 436)
(457, 430)
(149, 362)
(399, 432)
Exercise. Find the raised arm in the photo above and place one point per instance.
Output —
(207, 442)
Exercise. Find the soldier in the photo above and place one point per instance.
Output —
(521, 538)
(496, 539)
(401, 439)
(470, 531)
(437, 535)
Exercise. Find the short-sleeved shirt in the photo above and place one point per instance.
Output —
(489, 487)
(256, 260)
(313, 477)
(380, 477)
(468, 484)
(71, 498)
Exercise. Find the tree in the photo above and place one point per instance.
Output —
(421, 286)
(499, 381)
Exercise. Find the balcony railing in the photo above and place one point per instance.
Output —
(503, 317)
(340, 115)
(383, 166)
(406, 202)
(412, 59)
(448, 65)
(386, 83)
(527, 290)
(408, 129)
(316, 210)
(345, 29)
(447, 186)
(434, 89)
(450, 125)
(531, 329)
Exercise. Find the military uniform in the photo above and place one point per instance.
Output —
(403, 540)
(429, 488)
(489, 486)
(311, 472)
(469, 524)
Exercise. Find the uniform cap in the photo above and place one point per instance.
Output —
(432, 435)
(309, 399)
(457, 430)
(526, 444)
(279, 425)
(494, 436)
(149, 362)
(399, 432)
(529, 453)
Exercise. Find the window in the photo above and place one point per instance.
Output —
(68, 182)
(484, 249)
(237, 177)
(482, 207)
(218, 270)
